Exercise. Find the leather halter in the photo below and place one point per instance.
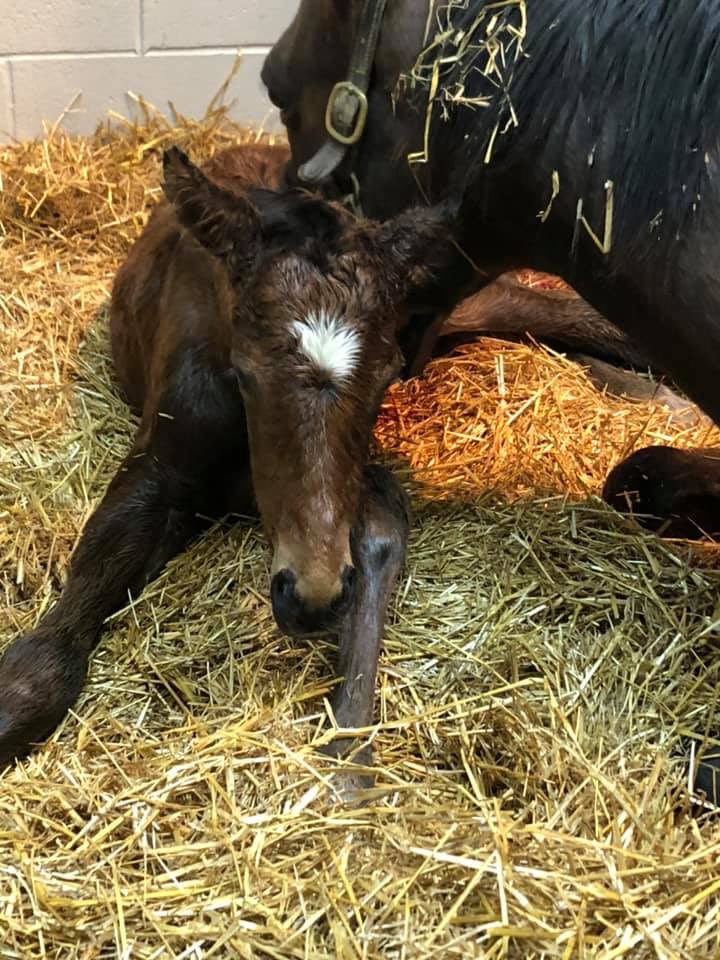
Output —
(347, 106)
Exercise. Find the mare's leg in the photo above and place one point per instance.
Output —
(379, 541)
(173, 474)
(507, 307)
(679, 489)
(563, 320)
(625, 383)
(675, 493)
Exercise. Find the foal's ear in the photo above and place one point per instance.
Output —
(225, 224)
(421, 255)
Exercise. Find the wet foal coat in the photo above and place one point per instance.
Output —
(254, 331)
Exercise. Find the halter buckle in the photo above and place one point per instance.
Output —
(347, 107)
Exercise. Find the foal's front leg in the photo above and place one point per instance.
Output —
(149, 513)
(379, 541)
(126, 542)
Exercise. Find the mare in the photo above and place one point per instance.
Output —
(576, 137)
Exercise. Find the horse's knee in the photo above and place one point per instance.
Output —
(381, 535)
(41, 676)
(673, 492)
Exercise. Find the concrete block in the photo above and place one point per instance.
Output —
(44, 88)
(66, 26)
(7, 111)
(213, 23)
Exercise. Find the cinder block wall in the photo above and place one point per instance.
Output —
(83, 57)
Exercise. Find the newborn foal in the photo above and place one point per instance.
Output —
(249, 327)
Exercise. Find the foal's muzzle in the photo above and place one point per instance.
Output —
(294, 616)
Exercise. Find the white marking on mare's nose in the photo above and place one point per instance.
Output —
(329, 344)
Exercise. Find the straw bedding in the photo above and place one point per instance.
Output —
(545, 667)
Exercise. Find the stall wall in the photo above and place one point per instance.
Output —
(76, 60)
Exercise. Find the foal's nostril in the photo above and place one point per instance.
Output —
(283, 585)
(284, 600)
(294, 616)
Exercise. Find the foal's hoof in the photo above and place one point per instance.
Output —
(350, 782)
(352, 789)
(675, 493)
(40, 679)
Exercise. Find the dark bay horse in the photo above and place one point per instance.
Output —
(575, 146)
(576, 137)
(253, 330)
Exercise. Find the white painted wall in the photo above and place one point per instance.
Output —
(92, 53)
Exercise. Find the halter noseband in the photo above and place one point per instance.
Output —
(347, 107)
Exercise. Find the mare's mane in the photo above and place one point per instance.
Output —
(590, 92)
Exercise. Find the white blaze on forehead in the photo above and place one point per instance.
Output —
(329, 344)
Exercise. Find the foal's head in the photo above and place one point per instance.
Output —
(319, 296)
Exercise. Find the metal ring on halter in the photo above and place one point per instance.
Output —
(347, 106)
(349, 92)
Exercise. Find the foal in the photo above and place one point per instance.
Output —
(250, 328)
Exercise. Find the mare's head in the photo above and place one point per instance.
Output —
(318, 297)
(311, 56)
